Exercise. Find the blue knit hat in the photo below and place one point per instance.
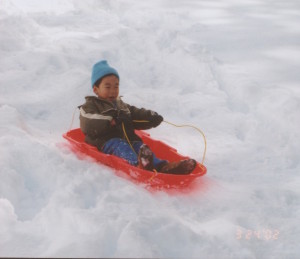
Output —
(102, 69)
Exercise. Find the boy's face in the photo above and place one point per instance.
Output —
(108, 89)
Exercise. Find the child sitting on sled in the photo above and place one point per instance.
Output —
(108, 123)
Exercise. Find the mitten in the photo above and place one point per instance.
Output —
(123, 118)
(155, 119)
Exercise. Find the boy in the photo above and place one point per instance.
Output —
(108, 123)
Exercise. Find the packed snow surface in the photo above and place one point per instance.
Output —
(228, 67)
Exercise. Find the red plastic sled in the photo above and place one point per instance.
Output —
(123, 168)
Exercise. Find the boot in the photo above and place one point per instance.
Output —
(179, 167)
(145, 158)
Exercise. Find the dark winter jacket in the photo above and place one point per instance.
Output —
(97, 114)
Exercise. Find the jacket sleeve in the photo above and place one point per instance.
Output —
(141, 118)
(92, 123)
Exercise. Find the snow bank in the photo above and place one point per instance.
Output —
(228, 67)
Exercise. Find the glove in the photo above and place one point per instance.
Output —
(126, 121)
(155, 119)
(123, 118)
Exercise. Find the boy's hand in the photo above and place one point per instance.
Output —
(156, 119)
(113, 122)
(122, 118)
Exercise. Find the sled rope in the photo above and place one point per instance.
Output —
(153, 175)
(199, 130)
(185, 125)
(72, 121)
(125, 134)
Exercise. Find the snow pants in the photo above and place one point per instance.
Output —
(120, 148)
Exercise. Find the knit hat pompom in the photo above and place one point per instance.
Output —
(102, 69)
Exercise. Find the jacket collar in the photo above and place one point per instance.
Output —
(96, 98)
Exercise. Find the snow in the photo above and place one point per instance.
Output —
(230, 68)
